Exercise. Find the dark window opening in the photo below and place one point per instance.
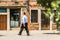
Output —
(15, 17)
(34, 16)
(45, 21)
(2, 10)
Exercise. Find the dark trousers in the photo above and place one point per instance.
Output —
(26, 28)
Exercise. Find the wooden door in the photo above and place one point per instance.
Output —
(3, 22)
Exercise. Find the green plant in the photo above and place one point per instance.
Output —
(51, 5)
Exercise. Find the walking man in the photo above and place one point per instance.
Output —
(24, 24)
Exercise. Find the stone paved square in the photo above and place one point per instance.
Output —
(34, 35)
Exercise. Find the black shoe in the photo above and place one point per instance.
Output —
(28, 35)
(19, 34)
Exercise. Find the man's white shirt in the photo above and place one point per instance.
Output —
(24, 19)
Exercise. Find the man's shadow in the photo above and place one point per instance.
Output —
(2, 35)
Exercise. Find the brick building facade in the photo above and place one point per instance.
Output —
(11, 12)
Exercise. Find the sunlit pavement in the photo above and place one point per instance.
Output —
(34, 35)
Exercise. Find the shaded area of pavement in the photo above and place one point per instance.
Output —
(2, 35)
(34, 35)
(52, 33)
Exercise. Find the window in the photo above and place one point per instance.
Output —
(34, 16)
(3, 10)
(15, 17)
(45, 21)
